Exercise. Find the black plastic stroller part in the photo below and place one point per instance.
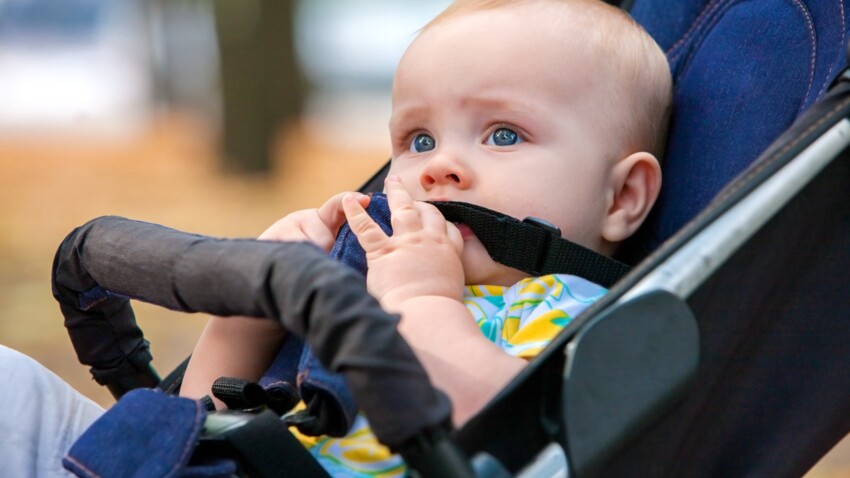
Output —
(240, 394)
(109, 259)
(770, 396)
(260, 444)
(623, 370)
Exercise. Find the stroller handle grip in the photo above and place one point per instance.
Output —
(109, 260)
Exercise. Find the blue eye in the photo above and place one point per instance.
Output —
(503, 137)
(422, 143)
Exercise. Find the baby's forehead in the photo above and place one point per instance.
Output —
(558, 17)
(496, 45)
(522, 16)
(562, 31)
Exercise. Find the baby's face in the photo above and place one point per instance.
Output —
(497, 111)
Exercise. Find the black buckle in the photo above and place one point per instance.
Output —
(544, 224)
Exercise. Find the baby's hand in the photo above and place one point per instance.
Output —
(319, 226)
(421, 258)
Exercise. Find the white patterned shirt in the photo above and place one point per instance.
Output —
(521, 320)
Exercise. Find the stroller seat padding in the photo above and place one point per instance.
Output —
(743, 71)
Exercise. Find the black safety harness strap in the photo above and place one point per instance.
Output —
(532, 245)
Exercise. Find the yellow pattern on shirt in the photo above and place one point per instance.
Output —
(521, 319)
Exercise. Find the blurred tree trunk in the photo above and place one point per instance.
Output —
(261, 84)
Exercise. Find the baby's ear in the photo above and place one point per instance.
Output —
(635, 183)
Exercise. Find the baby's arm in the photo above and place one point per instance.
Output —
(417, 273)
(240, 347)
(460, 361)
(244, 347)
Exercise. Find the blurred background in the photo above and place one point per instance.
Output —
(210, 116)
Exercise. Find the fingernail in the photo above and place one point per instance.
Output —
(392, 177)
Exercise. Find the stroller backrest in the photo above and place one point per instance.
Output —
(743, 71)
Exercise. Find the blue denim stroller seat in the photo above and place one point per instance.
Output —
(763, 279)
(743, 72)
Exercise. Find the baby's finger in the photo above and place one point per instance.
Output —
(404, 215)
(318, 233)
(455, 236)
(331, 213)
(368, 233)
(431, 217)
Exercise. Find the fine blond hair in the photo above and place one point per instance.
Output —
(639, 102)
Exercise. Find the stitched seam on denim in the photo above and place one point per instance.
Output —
(702, 15)
(189, 446)
(82, 467)
(828, 78)
(810, 24)
(702, 34)
(763, 164)
(711, 19)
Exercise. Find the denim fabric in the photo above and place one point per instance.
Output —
(743, 71)
(347, 250)
(280, 380)
(284, 368)
(147, 434)
(94, 296)
(312, 378)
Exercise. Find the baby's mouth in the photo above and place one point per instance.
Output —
(465, 231)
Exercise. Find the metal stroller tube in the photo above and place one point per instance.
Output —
(107, 261)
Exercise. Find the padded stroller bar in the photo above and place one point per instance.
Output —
(102, 264)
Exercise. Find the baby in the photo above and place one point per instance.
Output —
(548, 108)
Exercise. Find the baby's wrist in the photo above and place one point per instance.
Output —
(397, 299)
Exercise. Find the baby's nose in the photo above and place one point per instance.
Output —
(443, 169)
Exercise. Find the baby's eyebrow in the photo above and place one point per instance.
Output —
(407, 114)
(510, 104)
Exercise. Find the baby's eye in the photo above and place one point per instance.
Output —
(503, 137)
(422, 143)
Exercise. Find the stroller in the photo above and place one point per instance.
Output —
(716, 355)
